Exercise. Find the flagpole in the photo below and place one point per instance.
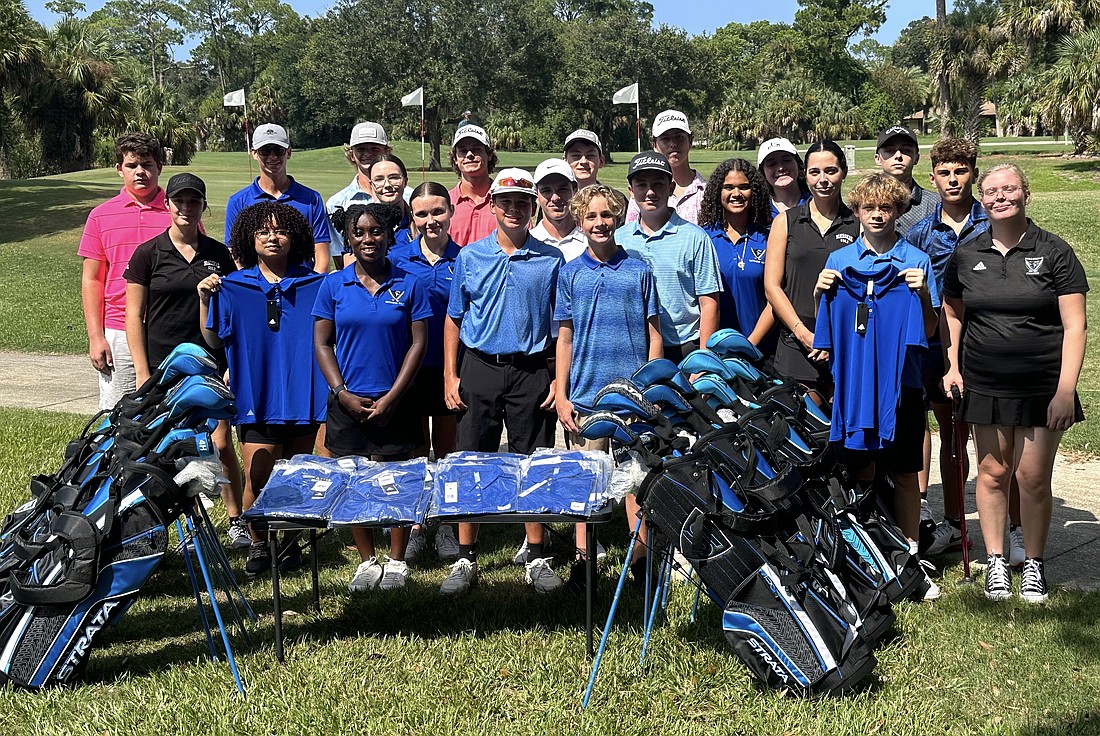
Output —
(638, 113)
(247, 142)
(423, 173)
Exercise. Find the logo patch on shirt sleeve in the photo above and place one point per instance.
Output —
(1033, 265)
(979, 267)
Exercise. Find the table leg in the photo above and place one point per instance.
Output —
(276, 595)
(313, 565)
(590, 587)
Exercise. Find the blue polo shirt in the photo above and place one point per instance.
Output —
(741, 265)
(505, 302)
(373, 332)
(684, 266)
(939, 240)
(300, 197)
(272, 372)
(775, 210)
(435, 279)
(609, 303)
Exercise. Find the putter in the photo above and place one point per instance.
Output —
(958, 447)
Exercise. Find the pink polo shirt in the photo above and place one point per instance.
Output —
(113, 232)
(472, 220)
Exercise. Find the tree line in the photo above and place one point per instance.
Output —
(530, 71)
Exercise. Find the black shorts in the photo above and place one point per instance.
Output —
(1025, 411)
(933, 366)
(505, 393)
(906, 454)
(346, 435)
(274, 434)
(425, 396)
(676, 353)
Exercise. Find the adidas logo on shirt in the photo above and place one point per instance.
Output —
(979, 267)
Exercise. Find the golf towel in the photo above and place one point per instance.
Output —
(564, 482)
(386, 493)
(476, 483)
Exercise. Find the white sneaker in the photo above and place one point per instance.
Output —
(394, 575)
(446, 546)
(947, 537)
(463, 577)
(933, 593)
(540, 575)
(366, 576)
(1016, 552)
(415, 545)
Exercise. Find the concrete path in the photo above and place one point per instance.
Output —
(68, 383)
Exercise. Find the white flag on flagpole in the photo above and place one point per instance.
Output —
(627, 95)
(416, 97)
(234, 99)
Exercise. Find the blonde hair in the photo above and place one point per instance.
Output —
(1011, 168)
(616, 201)
(880, 188)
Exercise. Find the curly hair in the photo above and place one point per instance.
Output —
(616, 202)
(711, 212)
(955, 151)
(879, 188)
(388, 216)
(242, 238)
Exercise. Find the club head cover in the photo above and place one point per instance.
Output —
(729, 343)
(704, 361)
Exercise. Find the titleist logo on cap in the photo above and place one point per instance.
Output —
(668, 117)
(647, 160)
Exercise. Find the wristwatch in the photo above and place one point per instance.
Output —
(335, 390)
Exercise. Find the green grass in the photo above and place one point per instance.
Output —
(40, 306)
(504, 660)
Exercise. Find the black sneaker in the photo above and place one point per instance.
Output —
(290, 557)
(1033, 588)
(578, 579)
(998, 579)
(258, 561)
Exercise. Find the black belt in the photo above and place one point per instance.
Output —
(510, 358)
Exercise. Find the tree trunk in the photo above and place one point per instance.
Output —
(944, 89)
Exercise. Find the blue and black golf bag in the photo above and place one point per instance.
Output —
(75, 556)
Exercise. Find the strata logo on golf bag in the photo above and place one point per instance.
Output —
(75, 558)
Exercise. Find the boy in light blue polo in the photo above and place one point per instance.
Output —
(680, 254)
(606, 309)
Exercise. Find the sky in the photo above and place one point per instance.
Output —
(694, 16)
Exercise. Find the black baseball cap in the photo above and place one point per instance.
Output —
(648, 161)
(180, 182)
(897, 131)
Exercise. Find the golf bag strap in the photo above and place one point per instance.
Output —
(791, 571)
(161, 481)
(77, 533)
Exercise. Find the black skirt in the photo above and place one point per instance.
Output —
(1024, 411)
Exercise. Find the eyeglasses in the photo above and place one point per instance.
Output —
(1008, 190)
(510, 182)
(266, 234)
(395, 179)
(270, 152)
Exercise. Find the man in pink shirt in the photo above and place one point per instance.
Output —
(113, 231)
(473, 159)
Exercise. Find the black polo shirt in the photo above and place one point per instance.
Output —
(1012, 336)
(172, 305)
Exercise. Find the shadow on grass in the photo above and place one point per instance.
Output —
(1082, 723)
(42, 207)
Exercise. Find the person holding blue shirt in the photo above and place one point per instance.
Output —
(881, 301)
(958, 219)
(431, 258)
(271, 149)
(262, 315)
(678, 252)
(607, 313)
(501, 310)
(369, 337)
(784, 175)
(734, 214)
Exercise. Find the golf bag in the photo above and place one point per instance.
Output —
(75, 556)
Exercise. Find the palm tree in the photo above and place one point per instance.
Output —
(20, 65)
(84, 88)
(157, 111)
(1072, 87)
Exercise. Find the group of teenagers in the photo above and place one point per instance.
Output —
(392, 322)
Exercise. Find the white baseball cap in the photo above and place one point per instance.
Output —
(270, 134)
(582, 135)
(554, 166)
(670, 120)
(513, 180)
(368, 133)
(774, 145)
(472, 131)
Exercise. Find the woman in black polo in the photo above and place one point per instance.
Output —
(1014, 301)
(162, 310)
(801, 239)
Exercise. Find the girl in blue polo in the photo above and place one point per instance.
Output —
(390, 180)
(735, 214)
(262, 315)
(369, 336)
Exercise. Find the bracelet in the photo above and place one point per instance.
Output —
(335, 390)
(796, 326)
